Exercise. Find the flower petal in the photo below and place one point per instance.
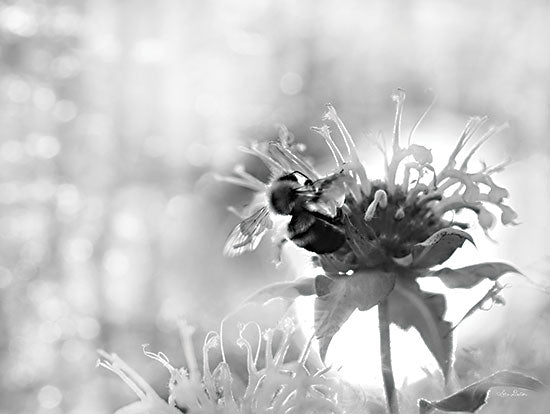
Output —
(411, 307)
(284, 290)
(508, 216)
(469, 276)
(473, 396)
(485, 218)
(438, 247)
(339, 297)
(421, 154)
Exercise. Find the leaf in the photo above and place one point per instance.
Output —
(472, 397)
(156, 406)
(339, 297)
(469, 276)
(438, 247)
(411, 307)
(284, 290)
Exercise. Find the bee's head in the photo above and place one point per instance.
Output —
(282, 194)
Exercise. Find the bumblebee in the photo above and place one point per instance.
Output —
(316, 222)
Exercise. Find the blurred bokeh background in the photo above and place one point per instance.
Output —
(115, 115)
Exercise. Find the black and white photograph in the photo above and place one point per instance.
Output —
(274, 206)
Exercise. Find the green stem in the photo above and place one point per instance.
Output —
(385, 355)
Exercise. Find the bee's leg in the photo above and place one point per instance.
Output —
(279, 247)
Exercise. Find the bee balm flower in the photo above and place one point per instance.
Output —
(275, 385)
(397, 228)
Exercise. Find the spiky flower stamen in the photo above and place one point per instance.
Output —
(149, 400)
(274, 384)
(324, 131)
(380, 200)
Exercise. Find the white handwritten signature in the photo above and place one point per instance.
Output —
(512, 393)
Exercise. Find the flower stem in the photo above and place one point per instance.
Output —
(385, 355)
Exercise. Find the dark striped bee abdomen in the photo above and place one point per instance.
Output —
(315, 232)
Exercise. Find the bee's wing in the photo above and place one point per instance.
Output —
(247, 234)
(330, 193)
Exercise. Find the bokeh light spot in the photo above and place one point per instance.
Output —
(129, 225)
(51, 308)
(170, 312)
(47, 146)
(33, 251)
(116, 262)
(73, 350)
(78, 249)
(149, 51)
(43, 146)
(44, 98)
(65, 67)
(69, 201)
(11, 151)
(40, 190)
(198, 155)
(9, 192)
(65, 110)
(6, 277)
(49, 332)
(291, 83)
(49, 397)
(18, 21)
(17, 90)
(88, 327)
(178, 206)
